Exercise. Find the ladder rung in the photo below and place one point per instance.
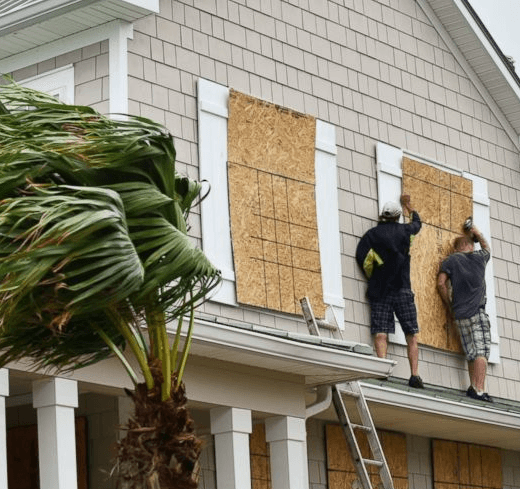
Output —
(377, 463)
(362, 427)
(326, 325)
(351, 394)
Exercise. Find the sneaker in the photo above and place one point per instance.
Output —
(416, 382)
(471, 392)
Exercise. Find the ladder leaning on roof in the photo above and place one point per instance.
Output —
(367, 424)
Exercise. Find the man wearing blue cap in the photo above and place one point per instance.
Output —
(384, 255)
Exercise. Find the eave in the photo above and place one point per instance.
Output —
(279, 351)
(27, 24)
(443, 414)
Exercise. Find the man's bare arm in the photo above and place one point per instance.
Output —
(480, 238)
(442, 287)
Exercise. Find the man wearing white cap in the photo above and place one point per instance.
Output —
(384, 255)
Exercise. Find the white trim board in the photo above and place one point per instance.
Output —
(216, 235)
(389, 187)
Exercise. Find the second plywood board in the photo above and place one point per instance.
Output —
(444, 201)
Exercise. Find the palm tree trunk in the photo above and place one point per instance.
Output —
(160, 449)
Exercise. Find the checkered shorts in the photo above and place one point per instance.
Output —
(382, 313)
(475, 335)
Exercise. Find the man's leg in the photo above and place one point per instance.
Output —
(477, 373)
(413, 353)
(381, 344)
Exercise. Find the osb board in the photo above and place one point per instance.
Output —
(271, 138)
(340, 466)
(272, 206)
(444, 202)
(260, 460)
(465, 465)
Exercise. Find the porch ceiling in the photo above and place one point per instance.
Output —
(27, 24)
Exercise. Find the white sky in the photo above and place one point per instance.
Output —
(502, 20)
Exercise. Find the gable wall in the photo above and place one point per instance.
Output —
(378, 71)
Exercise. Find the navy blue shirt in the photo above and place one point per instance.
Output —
(467, 276)
(391, 242)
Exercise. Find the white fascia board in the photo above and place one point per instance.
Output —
(443, 33)
(439, 406)
(267, 349)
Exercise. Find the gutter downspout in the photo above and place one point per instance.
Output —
(323, 400)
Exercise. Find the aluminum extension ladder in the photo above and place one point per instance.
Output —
(367, 425)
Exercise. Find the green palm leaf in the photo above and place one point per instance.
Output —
(93, 235)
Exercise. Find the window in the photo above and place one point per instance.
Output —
(444, 197)
(225, 202)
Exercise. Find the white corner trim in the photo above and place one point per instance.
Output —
(116, 32)
(118, 68)
(443, 33)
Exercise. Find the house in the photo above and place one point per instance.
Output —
(304, 117)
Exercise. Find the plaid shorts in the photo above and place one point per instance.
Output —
(382, 313)
(475, 335)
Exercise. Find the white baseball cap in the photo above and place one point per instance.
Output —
(391, 210)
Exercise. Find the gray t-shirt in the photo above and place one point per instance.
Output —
(467, 276)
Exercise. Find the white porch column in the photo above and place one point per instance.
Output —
(4, 392)
(231, 428)
(55, 400)
(287, 445)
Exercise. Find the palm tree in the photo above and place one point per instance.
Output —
(95, 261)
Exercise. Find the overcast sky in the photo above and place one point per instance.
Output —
(502, 20)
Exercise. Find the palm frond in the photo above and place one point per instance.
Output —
(93, 229)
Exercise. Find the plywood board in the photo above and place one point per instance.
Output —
(259, 458)
(491, 467)
(272, 206)
(443, 201)
(394, 448)
(475, 463)
(464, 466)
(268, 137)
(445, 462)
(340, 467)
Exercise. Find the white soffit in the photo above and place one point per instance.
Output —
(480, 53)
(26, 24)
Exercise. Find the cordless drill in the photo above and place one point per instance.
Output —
(468, 224)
